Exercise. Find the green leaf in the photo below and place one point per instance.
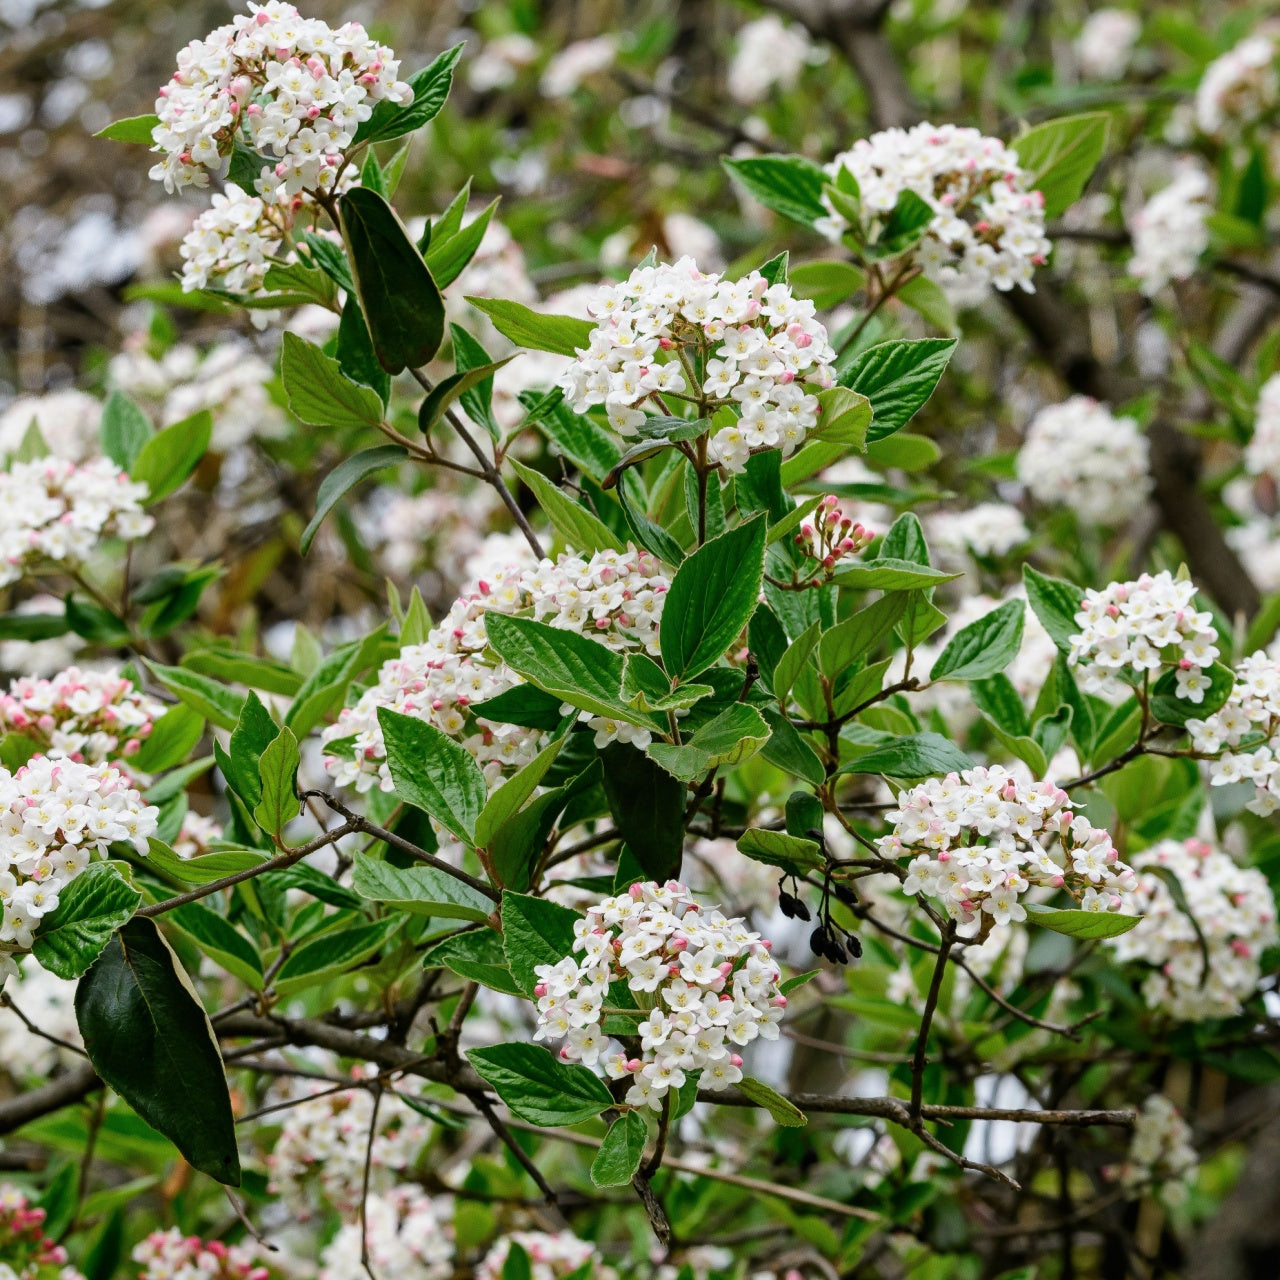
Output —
(647, 805)
(220, 940)
(563, 335)
(507, 800)
(917, 755)
(898, 377)
(166, 460)
(401, 304)
(357, 359)
(476, 956)
(845, 417)
(711, 599)
(783, 1111)
(332, 954)
(278, 771)
(652, 537)
(1081, 924)
(778, 849)
(325, 688)
(448, 256)
(206, 868)
(620, 1153)
(571, 518)
(477, 400)
(33, 626)
(848, 642)
(1056, 603)
(735, 735)
(905, 450)
(430, 89)
(136, 129)
(319, 393)
(433, 772)
(215, 702)
(827, 283)
(1060, 157)
(452, 388)
(254, 732)
(983, 648)
(887, 574)
(538, 1088)
(1168, 708)
(124, 430)
(930, 302)
(90, 909)
(171, 740)
(534, 932)
(424, 891)
(150, 1039)
(342, 479)
(789, 185)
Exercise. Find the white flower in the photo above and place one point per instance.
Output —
(1171, 230)
(1262, 453)
(552, 1256)
(769, 53)
(173, 1255)
(409, 1236)
(1105, 43)
(1238, 88)
(1161, 1154)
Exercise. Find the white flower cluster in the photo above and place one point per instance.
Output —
(169, 1255)
(1262, 453)
(26, 1253)
(1105, 43)
(55, 510)
(1143, 627)
(770, 53)
(614, 597)
(281, 83)
(48, 1003)
(1171, 230)
(1236, 914)
(233, 244)
(705, 984)
(196, 834)
(1080, 455)
(553, 1256)
(988, 228)
(92, 716)
(408, 1236)
(67, 421)
(756, 345)
(1240, 87)
(54, 816)
(1246, 730)
(318, 1159)
(1161, 1154)
(436, 530)
(978, 840)
(986, 529)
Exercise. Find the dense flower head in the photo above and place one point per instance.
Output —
(47, 1002)
(170, 1255)
(91, 716)
(754, 347)
(318, 1160)
(1246, 731)
(985, 529)
(196, 834)
(1144, 627)
(979, 840)
(54, 816)
(1240, 87)
(67, 421)
(614, 597)
(552, 1256)
(988, 227)
(51, 509)
(1262, 453)
(1236, 914)
(1171, 230)
(1080, 455)
(769, 53)
(832, 537)
(282, 84)
(1105, 43)
(409, 1238)
(26, 1252)
(705, 986)
(1161, 1154)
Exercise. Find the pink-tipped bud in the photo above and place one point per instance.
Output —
(540, 989)
(736, 1059)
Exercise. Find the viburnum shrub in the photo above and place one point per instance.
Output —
(723, 726)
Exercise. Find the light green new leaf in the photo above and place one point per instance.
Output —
(1081, 924)
(574, 522)
(278, 774)
(319, 393)
(563, 335)
(621, 1151)
(1060, 156)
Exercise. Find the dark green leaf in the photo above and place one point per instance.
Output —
(537, 1087)
(90, 909)
(342, 479)
(433, 772)
(621, 1151)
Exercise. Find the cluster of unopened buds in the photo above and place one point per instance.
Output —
(981, 839)
(703, 985)
(26, 1253)
(831, 538)
(169, 1255)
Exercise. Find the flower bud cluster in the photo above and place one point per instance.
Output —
(1080, 455)
(1144, 627)
(278, 83)
(988, 226)
(26, 1253)
(318, 1159)
(1171, 230)
(1246, 731)
(614, 597)
(54, 510)
(553, 1256)
(90, 716)
(831, 537)
(1236, 914)
(979, 840)
(745, 345)
(1161, 1155)
(408, 1236)
(704, 986)
(1262, 453)
(54, 816)
(169, 1255)
(1240, 87)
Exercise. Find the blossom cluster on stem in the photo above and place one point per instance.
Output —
(552, 1256)
(1244, 733)
(26, 1252)
(832, 538)
(1171, 230)
(408, 1236)
(170, 1255)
